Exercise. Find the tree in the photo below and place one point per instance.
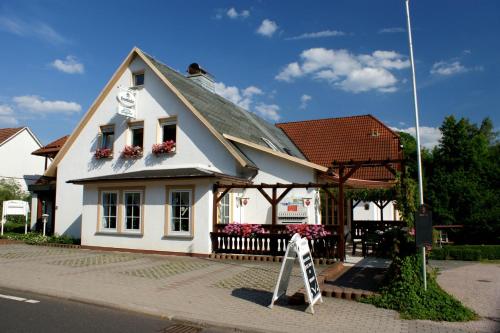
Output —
(463, 179)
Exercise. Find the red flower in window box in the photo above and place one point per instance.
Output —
(102, 153)
(164, 147)
(132, 151)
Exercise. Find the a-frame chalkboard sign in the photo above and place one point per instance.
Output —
(298, 248)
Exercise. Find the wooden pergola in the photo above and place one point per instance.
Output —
(331, 180)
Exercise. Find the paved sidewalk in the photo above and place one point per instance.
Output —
(232, 294)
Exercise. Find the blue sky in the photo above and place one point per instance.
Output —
(286, 61)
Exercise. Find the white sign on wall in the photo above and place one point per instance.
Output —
(15, 207)
(298, 248)
(127, 103)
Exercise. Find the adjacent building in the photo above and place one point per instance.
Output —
(16, 145)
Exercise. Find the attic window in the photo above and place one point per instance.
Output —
(270, 144)
(138, 79)
(375, 133)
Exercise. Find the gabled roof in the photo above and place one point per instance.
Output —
(226, 117)
(7, 133)
(217, 114)
(356, 138)
(51, 149)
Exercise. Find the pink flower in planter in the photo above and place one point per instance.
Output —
(131, 151)
(164, 147)
(102, 153)
(309, 231)
(244, 230)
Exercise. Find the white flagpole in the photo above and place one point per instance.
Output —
(415, 100)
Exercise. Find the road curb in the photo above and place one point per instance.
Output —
(154, 312)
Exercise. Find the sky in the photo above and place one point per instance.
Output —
(285, 61)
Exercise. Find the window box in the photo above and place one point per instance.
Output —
(164, 148)
(103, 153)
(130, 151)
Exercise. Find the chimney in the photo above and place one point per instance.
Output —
(201, 77)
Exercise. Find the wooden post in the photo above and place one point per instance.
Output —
(214, 208)
(273, 207)
(340, 211)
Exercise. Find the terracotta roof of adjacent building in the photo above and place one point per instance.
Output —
(51, 149)
(6, 133)
(355, 138)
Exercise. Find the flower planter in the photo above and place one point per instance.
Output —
(166, 147)
(132, 152)
(101, 153)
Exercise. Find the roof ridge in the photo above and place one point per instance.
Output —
(328, 118)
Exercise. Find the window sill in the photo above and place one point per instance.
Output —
(119, 234)
(180, 236)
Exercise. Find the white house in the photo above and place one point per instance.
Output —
(164, 201)
(18, 164)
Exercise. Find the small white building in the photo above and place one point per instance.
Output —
(138, 171)
(17, 162)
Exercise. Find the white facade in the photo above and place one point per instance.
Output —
(368, 211)
(79, 208)
(17, 162)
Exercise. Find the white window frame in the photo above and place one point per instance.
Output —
(171, 230)
(225, 202)
(141, 195)
(167, 122)
(103, 131)
(117, 205)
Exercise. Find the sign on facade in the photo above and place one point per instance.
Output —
(298, 248)
(15, 207)
(127, 103)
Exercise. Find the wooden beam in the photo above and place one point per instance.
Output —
(273, 208)
(268, 198)
(340, 211)
(219, 197)
(282, 195)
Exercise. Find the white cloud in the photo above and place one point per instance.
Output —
(304, 99)
(319, 34)
(448, 68)
(37, 104)
(391, 30)
(243, 98)
(267, 28)
(290, 72)
(347, 71)
(232, 13)
(429, 136)
(7, 116)
(246, 98)
(252, 90)
(70, 65)
(268, 111)
(37, 29)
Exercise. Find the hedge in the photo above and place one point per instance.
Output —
(466, 252)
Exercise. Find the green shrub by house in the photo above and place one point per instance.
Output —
(467, 252)
(37, 238)
(405, 293)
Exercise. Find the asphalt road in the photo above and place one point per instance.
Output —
(25, 312)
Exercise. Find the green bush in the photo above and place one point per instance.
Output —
(466, 252)
(405, 293)
(37, 238)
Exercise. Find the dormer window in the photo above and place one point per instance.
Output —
(270, 144)
(138, 79)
